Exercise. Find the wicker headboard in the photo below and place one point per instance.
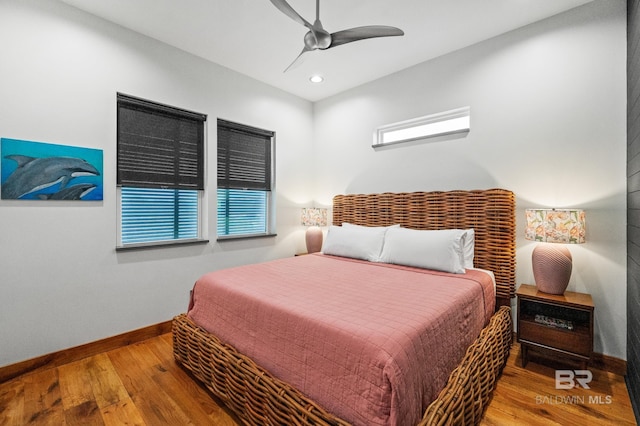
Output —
(491, 213)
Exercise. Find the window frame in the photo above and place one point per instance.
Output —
(270, 208)
(126, 100)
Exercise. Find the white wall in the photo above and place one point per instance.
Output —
(61, 282)
(548, 108)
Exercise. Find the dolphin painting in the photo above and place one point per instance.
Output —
(73, 192)
(34, 174)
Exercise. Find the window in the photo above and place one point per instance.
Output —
(160, 170)
(442, 124)
(245, 181)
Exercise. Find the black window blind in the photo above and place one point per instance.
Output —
(244, 157)
(159, 146)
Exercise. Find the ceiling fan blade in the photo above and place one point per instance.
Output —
(285, 8)
(298, 60)
(360, 33)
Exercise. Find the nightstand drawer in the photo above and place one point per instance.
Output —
(573, 341)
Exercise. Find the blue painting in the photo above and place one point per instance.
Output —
(43, 171)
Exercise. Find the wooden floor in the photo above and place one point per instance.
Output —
(528, 396)
(141, 385)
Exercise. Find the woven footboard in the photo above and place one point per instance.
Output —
(468, 390)
(252, 393)
(260, 399)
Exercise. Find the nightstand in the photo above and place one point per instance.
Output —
(558, 324)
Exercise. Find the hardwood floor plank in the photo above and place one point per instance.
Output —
(87, 413)
(139, 365)
(105, 381)
(12, 403)
(78, 398)
(75, 384)
(124, 412)
(42, 399)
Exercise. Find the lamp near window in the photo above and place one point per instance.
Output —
(552, 263)
(314, 218)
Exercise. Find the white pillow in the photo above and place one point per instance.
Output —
(359, 242)
(468, 241)
(468, 248)
(441, 250)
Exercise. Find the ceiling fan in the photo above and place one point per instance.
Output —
(317, 38)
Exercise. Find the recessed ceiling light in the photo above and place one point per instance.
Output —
(316, 79)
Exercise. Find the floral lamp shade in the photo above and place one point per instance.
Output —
(313, 218)
(552, 263)
(556, 226)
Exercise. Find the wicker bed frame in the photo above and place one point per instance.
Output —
(261, 399)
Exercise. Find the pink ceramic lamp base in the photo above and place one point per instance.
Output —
(552, 266)
(313, 239)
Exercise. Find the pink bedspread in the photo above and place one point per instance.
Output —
(372, 343)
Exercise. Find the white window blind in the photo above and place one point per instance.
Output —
(151, 215)
(242, 212)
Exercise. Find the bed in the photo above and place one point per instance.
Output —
(257, 392)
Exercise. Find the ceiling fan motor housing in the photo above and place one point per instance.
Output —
(319, 40)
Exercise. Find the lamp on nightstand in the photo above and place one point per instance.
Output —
(314, 218)
(552, 263)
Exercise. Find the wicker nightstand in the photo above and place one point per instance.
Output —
(558, 324)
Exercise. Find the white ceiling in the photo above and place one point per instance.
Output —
(256, 39)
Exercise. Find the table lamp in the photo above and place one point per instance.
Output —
(314, 218)
(552, 263)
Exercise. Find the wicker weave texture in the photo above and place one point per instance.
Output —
(491, 213)
(468, 390)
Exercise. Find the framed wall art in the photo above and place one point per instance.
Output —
(43, 171)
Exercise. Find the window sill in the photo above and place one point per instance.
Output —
(244, 237)
(160, 244)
